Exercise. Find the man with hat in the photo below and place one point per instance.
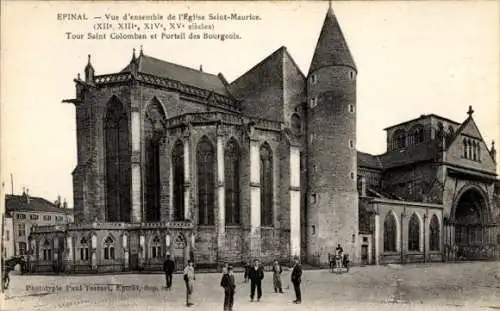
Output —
(227, 282)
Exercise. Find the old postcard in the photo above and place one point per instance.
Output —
(250, 155)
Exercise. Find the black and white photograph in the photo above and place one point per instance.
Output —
(250, 155)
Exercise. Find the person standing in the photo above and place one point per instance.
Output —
(227, 282)
(296, 280)
(189, 279)
(168, 268)
(277, 277)
(256, 275)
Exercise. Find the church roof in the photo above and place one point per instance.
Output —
(332, 48)
(411, 154)
(369, 161)
(186, 75)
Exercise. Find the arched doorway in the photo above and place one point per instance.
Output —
(470, 222)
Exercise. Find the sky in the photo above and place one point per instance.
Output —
(413, 58)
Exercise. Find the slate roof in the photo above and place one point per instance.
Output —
(369, 161)
(424, 116)
(411, 154)
(15, 203)
(186, 75)
(332, 48)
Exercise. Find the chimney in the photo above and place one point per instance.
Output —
(201, 68)
(65, 204)
(27, 194)
(58, 201)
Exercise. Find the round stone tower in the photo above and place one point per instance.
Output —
(332, 156)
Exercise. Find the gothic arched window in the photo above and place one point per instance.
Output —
(434, 234)
(232, 182)
(178, 180)
(156, 247)
(84, 248)
(414, 233)
(390, 233)
(417, 134)
(153, 131)
(117, 163)
(206, 183)
(399, 140)
(266, 185)
(466, 149)
(109, 248)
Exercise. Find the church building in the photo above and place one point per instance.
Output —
(174, 160)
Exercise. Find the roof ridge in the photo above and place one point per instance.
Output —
(182, 66)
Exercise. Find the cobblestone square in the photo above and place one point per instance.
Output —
(463, 286)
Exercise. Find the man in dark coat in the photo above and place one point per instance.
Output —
(227, 282)
(168, 268)
(296, 280)
(256, 275)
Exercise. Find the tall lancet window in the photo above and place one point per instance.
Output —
(390, 233)
(232, 182)
(153, 132)
(206, 182)
(178, 180)
(117, 154)
(266, 185)
(414, 233)
(434, 234)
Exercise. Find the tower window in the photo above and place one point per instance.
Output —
(315, 168)
(351, 143)
(313, 227)
(313, 198)
(312, 136)
(351, 108)
(351, 75)
(352, 175)
(314, 102)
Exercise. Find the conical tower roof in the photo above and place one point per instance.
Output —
(331, 48)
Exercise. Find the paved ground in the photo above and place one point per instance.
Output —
(463, 286)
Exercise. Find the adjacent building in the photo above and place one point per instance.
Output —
(25, 213)
(174, 160)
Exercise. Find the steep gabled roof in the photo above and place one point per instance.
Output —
(186, 75)
(332, 48)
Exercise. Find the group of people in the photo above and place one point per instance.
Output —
(339, 260)
(253, 273)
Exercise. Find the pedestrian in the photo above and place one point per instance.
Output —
(277, 277)
(338, 259)
(168, 268)
(247, 271)
(189, 279)
(227, 282)
(296, 280)
(256, 275)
